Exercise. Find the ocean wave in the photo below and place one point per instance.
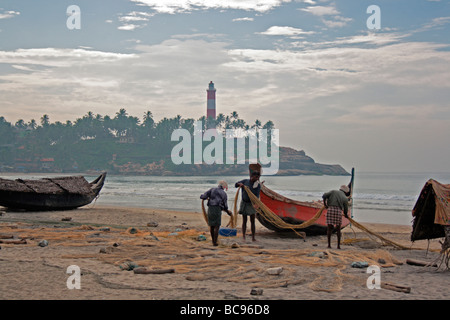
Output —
(356, 196)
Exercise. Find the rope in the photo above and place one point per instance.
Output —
(274, 219)
(204, 212)
(267, 214)
(383, 239)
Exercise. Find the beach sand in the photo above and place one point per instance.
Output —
(304, 269)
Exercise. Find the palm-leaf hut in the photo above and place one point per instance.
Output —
(431, 212)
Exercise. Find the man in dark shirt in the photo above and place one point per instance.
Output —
(246, 208)
(217, 202)
(336, 203)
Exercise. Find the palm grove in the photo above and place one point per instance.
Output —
(95, 142)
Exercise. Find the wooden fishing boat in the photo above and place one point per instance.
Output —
(60, 193)
(297, 212)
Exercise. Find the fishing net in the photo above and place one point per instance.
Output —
(267, 214)
(275, 220)
(198, 261)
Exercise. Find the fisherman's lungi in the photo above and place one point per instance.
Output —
(246, 209)
(214, 216)
(334, 215)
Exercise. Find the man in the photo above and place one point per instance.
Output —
(246, 208)
(217, 202)
(336, 203)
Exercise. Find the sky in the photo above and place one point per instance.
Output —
(351, 86)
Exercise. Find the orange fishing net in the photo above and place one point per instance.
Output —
(192, 256)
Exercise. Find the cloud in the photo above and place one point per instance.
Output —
(135, 16)
(321, 10)
(56, 57)
(243, 19)
(329, 15)
(130, 26)
(285, 31)
(8, 14)
(179, 6)
(436, 23)
(134, 20)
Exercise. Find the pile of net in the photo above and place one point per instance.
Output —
(190, 254)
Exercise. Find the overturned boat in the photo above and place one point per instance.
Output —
(60, 193)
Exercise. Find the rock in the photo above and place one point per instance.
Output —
(201, 238)
(132, 230)
(318, 254)
(381, 261)
(152, 224)
(178, 230)
(234, 245)
(274, 271)
(94, 235)
(66, 219)
(129, 265)
(256, 292)
(173, 234)
(359, 264)
(151, 237)
(106, 250)
(43, 243)
(105, 229)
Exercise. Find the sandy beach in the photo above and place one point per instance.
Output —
(109, 244)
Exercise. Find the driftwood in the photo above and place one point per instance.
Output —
(152, 271)
(420, 263)
(395, 287)
(13, 241)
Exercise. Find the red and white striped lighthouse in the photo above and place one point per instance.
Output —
(211, 101)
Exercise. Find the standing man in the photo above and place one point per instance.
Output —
(246, 207)
(336, 203)
(217, 202)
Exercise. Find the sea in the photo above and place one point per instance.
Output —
(377, 197)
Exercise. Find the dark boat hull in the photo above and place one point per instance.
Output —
(39, 202)
(35, 201)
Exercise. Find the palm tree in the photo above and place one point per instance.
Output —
(148, 122)
(269, 125)
(120, 122)
(45, 120)
(32, 124)
(220, 121)
(257, 124)
(20, 124)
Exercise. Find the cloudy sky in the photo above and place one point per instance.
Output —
(373, 99)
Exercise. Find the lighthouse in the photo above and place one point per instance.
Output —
(211, 101)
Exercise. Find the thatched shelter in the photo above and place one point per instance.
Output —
(432, 217)
(431, 212)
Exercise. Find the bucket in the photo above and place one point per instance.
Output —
(227, 232)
